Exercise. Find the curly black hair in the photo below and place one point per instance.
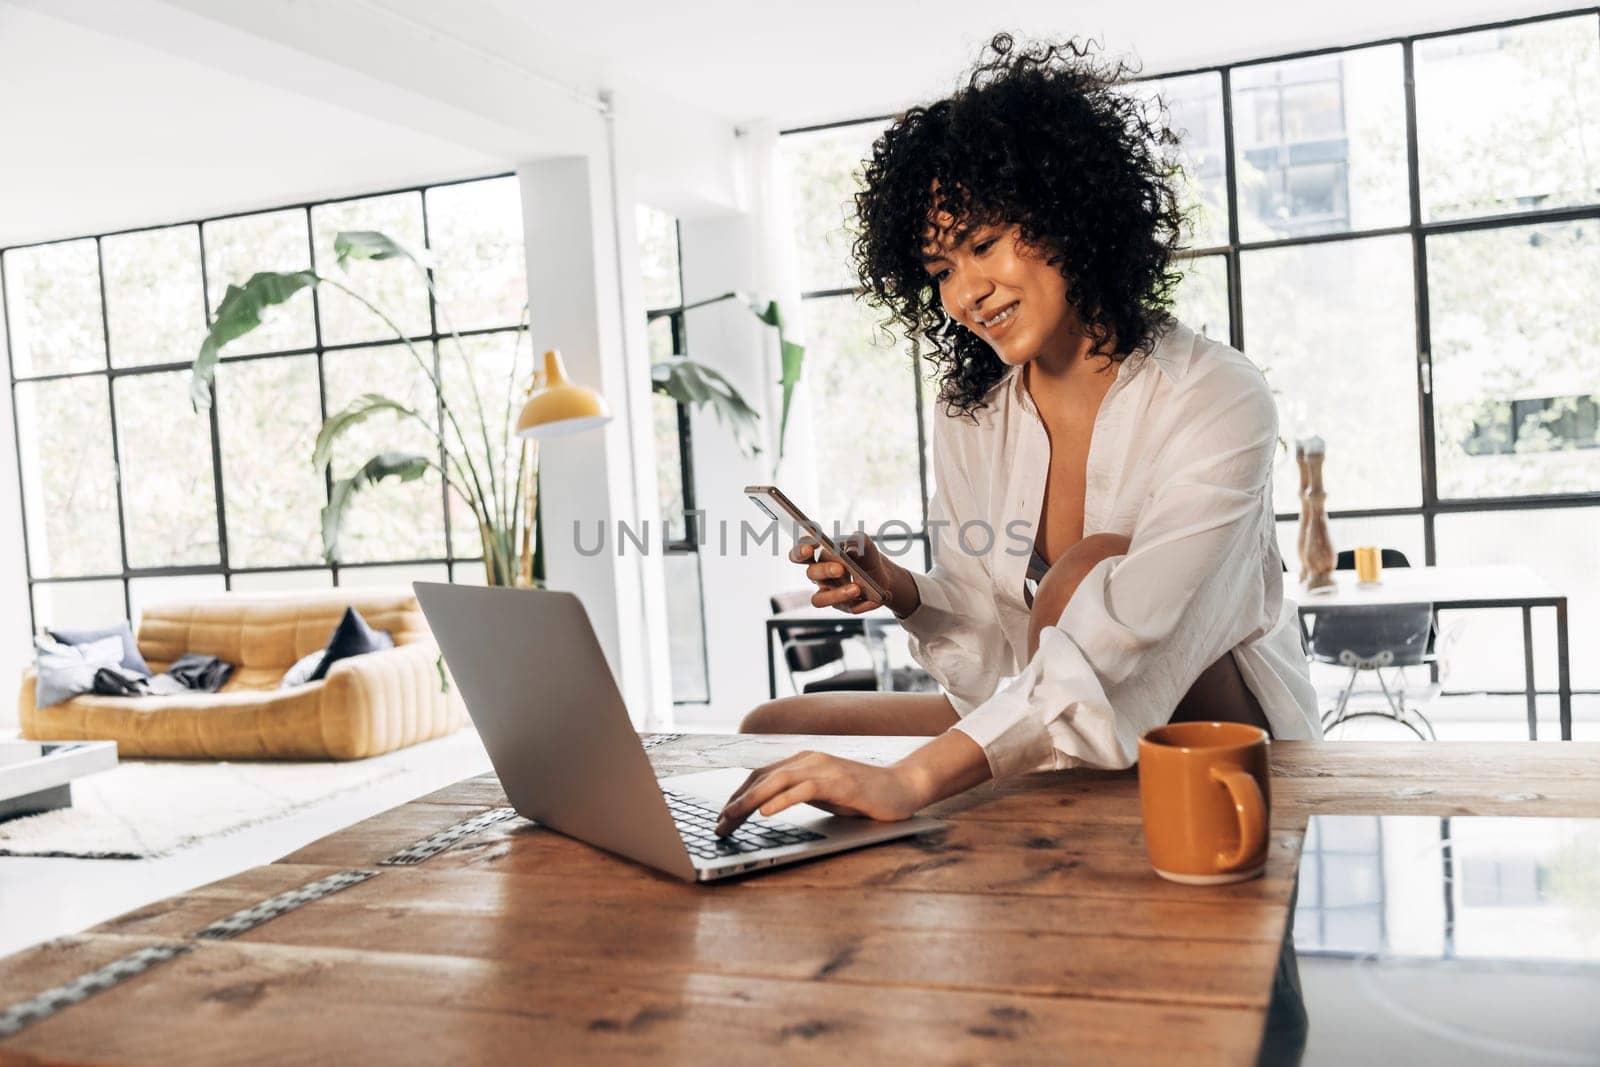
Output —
(1045, 137)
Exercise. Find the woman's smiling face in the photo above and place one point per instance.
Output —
(993, 283)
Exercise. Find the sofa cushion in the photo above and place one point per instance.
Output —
(122, 631)
(67, 670)
(300, 673)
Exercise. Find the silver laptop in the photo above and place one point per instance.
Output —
(543, 699)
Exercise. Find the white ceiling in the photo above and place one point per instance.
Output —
(142, 111)
(823, 60)
(98, 133)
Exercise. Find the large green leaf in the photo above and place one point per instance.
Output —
(238, 314)
(694, 384)
(370, 244)
(358, 411)
(406, 466)
(792, 357)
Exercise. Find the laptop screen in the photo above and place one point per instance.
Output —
(1460, 940)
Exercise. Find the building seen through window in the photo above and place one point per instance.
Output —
(1448, 363)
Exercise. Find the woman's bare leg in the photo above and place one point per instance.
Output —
(1061, 581)
(895, 714)
(1218, 695)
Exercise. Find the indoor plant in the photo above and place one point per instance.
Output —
(498, 494)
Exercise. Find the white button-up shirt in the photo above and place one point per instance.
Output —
(1180, 463)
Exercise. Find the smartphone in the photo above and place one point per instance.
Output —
(768, 497)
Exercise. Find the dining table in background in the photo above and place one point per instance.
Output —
(1496, 586)
(1503, 586)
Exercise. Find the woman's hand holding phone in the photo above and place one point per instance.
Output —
(837, 589)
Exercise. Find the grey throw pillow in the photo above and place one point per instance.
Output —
(302, 670)
(64, 671)
(131, 657)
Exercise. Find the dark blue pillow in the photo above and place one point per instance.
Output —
(352, 637)
(131, 659)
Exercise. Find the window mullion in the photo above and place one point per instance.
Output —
(215, 424)
(116, 444)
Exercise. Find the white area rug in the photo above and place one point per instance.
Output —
(146, 808)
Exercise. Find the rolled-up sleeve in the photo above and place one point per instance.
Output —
(1141, 628)
(955, 632)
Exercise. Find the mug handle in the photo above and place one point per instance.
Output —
(1251, 808)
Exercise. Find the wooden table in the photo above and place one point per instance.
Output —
(1032, 930)
(1462, 588)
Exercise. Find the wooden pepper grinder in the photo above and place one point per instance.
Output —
(1316, 544)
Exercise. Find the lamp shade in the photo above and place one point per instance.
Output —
(560, 406)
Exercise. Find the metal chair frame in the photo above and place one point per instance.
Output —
(1398, 712)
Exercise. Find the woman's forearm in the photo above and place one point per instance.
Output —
(902, 590)
(949, 764)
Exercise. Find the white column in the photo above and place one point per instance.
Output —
(589, 481)
(15, 647)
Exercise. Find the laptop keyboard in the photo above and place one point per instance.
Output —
(697, 825)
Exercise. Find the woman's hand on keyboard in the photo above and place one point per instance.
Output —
(838, 786)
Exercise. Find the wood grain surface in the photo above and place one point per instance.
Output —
(1032, 929)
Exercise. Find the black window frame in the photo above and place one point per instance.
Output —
(1430, 505)
(111, 373)
(689, 543)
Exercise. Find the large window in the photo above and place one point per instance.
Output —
(662, 267)
(873, 475)
(1405, 236)
(130, 496)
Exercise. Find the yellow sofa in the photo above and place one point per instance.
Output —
(365, 706)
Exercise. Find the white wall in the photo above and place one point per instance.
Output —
(744, 250)
(718, 256)
(119, 133)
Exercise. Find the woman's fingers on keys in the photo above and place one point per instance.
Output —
(745, 804)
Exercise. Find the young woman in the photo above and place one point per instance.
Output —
(1105, 558)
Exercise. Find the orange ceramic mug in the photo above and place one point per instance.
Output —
(1203, 788)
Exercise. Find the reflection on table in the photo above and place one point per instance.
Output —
(1458, 940)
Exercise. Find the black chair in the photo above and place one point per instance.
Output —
(1390, 558)
(1373, 638)
(809, 648)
